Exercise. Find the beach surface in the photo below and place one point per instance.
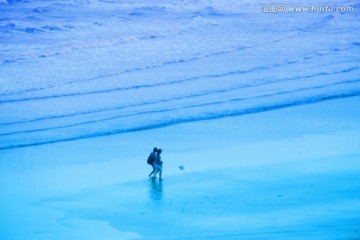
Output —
(292, 173)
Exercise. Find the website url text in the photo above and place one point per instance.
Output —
(279, 8)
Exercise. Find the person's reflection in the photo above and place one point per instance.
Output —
(155, 189)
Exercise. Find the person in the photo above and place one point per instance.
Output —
(158, 165)
(151, 160)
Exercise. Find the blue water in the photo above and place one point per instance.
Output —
(80, 69)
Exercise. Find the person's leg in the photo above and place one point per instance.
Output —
(152, 172)
(156, 170)
(160, 174)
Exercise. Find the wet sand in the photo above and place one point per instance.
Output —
(246, 177)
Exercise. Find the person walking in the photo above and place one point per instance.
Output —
(151, 160)
(158, 165)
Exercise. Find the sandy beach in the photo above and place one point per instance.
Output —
(245, 177)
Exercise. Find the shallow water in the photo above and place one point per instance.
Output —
(84, 69)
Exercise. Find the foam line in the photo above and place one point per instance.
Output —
(169, 83)
(239, 112)
(232, 88)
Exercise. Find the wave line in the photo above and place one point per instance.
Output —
(184, 107)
